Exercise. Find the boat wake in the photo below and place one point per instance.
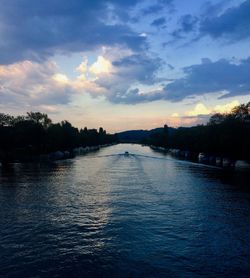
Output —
(127, 154)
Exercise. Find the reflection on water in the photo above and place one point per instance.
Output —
(109, 215)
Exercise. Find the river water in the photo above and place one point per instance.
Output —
(110, 215)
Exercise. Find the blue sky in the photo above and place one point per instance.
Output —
(124, 64)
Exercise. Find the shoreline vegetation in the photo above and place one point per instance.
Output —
(35, 138)
(224, 141)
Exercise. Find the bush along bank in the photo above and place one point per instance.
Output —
(34, 137)
(224, 141)
(207, 159)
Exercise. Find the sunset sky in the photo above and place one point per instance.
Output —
(124, 64)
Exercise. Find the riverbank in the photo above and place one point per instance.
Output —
(204, 158)
(14, 157)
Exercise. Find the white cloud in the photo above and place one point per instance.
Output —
(199, 109)
(226, 107)
(202, 109)
(101, 66)
(60, 78)
(83, 67)
(30, 83)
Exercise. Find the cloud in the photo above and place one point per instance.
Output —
(157, 7)
(211, 77)
(233, 24)
(114, 75)
(213, 9)
(199, 109)
(176, 120)
(118, 83)
(36, 30)
(128, 72)
(225, 108)
(221, 20)
(200, 114)
(175, 115)
(138, 67)
(223, 77)
(60, 78)
(83, 67)
(101, 65)
(188, 23)
(159, 22)
(30, 83)
(34, 84)
(152, 9)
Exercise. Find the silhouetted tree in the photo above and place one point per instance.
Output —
(40, 118)
(22, 137)
(5, 119)
(217, 119)
(224, 135)
(242, 112)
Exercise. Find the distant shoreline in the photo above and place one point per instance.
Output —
(54, 156)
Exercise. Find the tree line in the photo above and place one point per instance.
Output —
(225, 134)
(35, 134)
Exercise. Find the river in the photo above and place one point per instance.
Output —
(110, 215)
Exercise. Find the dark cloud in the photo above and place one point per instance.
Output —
(152, 9)
(133, 96)
(188, 23)
(129, 71)
(158, 7)
(211, 77)
(208, 77)
(35, 30)
(233, 24)
(171, 67)
(211, 9)
(159, 22)
(34, 83)
(138, 67)
(130, 97)
(217, 21)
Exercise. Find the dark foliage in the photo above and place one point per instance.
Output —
(225, 135)
(141, 136)
(36, 134)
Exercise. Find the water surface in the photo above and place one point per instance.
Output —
(110, 215)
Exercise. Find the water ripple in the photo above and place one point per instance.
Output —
(110, 215)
